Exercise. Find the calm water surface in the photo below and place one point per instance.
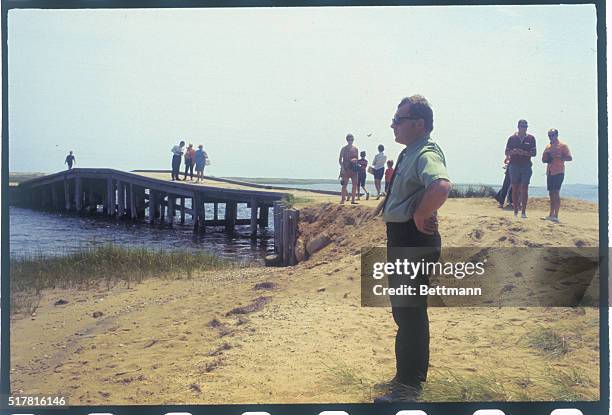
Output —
(52, 233)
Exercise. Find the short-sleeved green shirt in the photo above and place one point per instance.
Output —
(423, 163)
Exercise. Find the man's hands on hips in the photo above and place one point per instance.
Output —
(426, 224)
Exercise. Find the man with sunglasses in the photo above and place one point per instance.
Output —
(419, 187)
(555, 155)
(520, 148)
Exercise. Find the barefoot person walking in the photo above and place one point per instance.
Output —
(349, 168)
(520, 148)
(418, 188)
(555, 155)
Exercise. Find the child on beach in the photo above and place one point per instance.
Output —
(388, 175)
(363, 165)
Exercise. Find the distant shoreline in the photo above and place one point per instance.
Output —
(17, 177)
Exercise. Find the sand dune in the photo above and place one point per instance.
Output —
(304, 338)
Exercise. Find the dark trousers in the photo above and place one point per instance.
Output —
(176, 166)
(506, 190)
(412, 338)
(188, 167)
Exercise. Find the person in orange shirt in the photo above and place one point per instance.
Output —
(555, 155)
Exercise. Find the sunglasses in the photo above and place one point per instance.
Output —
(396, 120)
(523, 125)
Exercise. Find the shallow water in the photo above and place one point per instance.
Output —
(53, 233)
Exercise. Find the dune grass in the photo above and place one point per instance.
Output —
(472, 190)
(490, 384)
(548, 342)
(291, 200)
(102, 266)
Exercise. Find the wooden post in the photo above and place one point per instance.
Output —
(78, 194)
(140, 201)
(171, 202)
(196, 207)
(162, 207)
(231, 211)
(215, 211)
(203, 219)
(110, 198)
(131, 202)
(278, 216)
(294, 218)
(263, 216)
(120, 198)
(152, 205)
(285, 237)
(253, 217)
(66, 194)
(92, 202)
(182, 210)
(45, 198)
(54, 200)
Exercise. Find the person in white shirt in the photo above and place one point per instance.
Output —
(177, 153)
(379, 169)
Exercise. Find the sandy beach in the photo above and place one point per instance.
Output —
(300, 335)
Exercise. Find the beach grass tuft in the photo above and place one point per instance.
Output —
(291, 200)
(471, 190)
(549, 342)
(452, 387)
(101, 266)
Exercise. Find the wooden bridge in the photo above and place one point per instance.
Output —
(138, 197)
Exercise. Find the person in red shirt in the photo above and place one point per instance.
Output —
(388, 175)
(555, 155)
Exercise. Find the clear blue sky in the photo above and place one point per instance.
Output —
(271, 92)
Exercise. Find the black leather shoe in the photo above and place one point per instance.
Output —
(400, 393)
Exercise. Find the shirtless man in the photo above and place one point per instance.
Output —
(349, 168)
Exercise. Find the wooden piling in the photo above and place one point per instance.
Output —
(231, 211)
(110, 198)
(162, 208)
(92, 202)
(278, 217)
(293, 220)
(196, 207)
(152, 205)
(182, 210)
(66, 194)
(132, 198)
(253, 217)
(120, 198)
(285, 236)
(263, 216)
(54, 199)
(78, 194)
(171, 207)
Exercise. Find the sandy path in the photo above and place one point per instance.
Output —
(312, 342)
